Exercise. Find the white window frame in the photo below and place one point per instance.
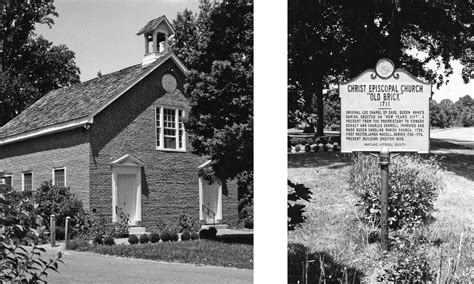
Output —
(178, 124)
(65, 175)
(23, 180)
(5, 176)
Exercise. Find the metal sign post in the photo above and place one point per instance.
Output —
(384, 161)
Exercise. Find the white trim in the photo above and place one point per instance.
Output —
(205, 164)
(161, 147)
(116, 170)
(46, 130)
(218, 217)
(23, 180)
(11, 179)
(134, 160)
(65, 175)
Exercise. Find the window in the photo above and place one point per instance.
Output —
(27, 181)
(59, 177)
(170, 132)
(7, 180)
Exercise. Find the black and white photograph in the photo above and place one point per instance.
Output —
(380, 142)
(126, 141)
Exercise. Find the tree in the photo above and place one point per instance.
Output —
(31, 65)
(220, 84)
(330, 41)
(217, 45)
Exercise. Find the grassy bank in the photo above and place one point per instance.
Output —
(202, 252)
(335, 236)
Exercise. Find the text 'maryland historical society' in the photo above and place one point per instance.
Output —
(385, 107)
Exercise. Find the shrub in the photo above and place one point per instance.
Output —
(204, 234)
(79, 245)
(414, 184)
(19, 226)
(174, 236)
(307, 148)
(185, 235)
(297, 149)
(165, 235)
(133, 240)
(89, 225)
(185, 222)
(408, 261)
(212, 233)
(293, 141)
(56, 200)
(194, 236)
(97, 240)
(310, 141)
(154, 237)
(108, 241)
(144, 239)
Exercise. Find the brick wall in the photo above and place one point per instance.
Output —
(40, 155)
(170, 182)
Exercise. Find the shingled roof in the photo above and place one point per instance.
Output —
(151, 25)
(78, 102)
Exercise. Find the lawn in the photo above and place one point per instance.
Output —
(333, 230)
(201, 252)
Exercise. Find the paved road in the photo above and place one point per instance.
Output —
(92, 268)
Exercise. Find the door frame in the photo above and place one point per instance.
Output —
(201, 201)
(127, 165)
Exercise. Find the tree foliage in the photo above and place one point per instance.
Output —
(217, 45)
(331, 41)
(297, 192)
(448, 114)
(31, 65)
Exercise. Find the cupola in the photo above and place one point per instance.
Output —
(156, 33)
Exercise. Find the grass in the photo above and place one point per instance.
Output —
(201, 252)
(333, 227)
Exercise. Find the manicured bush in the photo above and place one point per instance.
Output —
(297, 149)
(108, 241)
(309, 141)
(294, 141)
(212, 233)
(133, 240)
(414, 185)
(194, 236)
(154, 237)
(97, 240)
(144, 239)
(307, 148)
(174, 236)
(166, 235)
(204, 234)
(185, 235)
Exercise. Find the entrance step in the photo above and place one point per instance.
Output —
(135, 230)
(217, 226)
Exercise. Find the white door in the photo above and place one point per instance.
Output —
(126, 197)
(210, 201)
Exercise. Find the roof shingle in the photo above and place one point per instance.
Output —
(74, 102)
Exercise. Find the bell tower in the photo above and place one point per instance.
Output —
(156, 33)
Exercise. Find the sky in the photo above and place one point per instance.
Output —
(103, 33)
(103, 36)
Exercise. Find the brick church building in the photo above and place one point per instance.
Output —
(119, 143)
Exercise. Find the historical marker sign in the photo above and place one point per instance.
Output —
(384, 107)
